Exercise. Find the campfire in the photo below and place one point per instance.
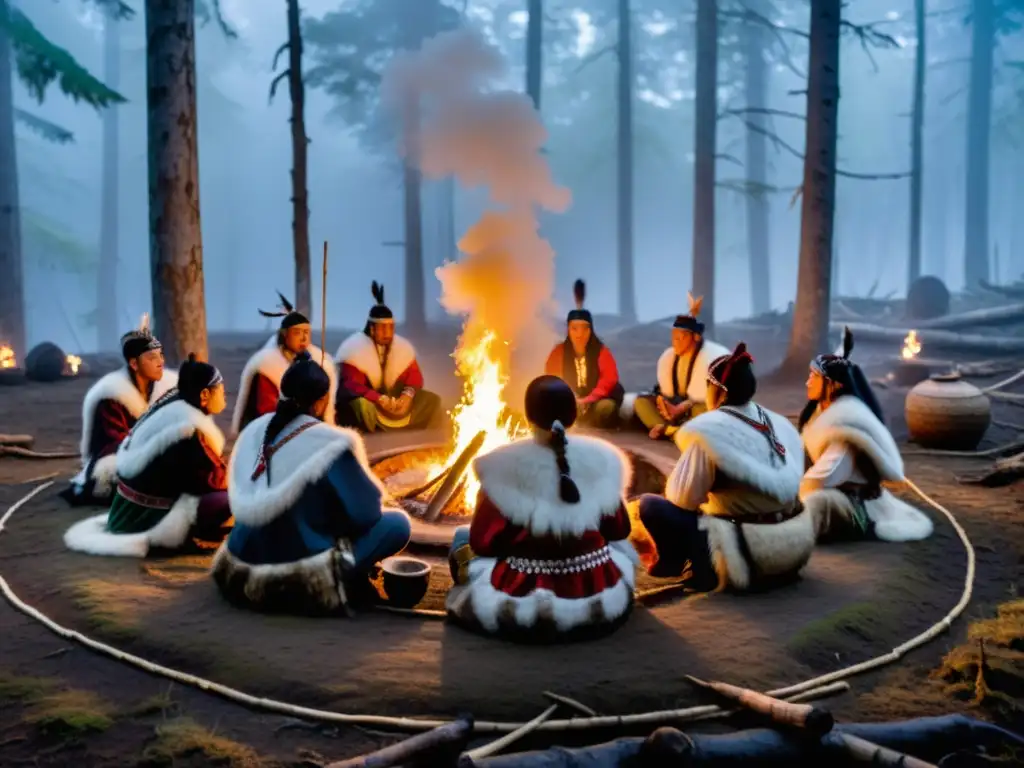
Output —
(911, 369)
(72, 365)
(7, 358)
(911, 346)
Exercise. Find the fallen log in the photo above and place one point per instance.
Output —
(1003, 345)
(449, 738)
(814, 720)
(23, 441)
(454, 478)
(926, 738)
(1008, 314)
(1015, 291)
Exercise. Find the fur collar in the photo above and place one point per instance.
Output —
(118, 386)
(359, 351)
(522, 481)
(152, 437)
(849, 421)
(744, 455)
(696, 390)
(270, 362)
(298, 464)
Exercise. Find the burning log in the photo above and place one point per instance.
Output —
(453, 478)
(815, 721)
(449, 739)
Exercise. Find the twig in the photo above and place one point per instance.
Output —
(812, 719)
(571, 703)
(497, 745)
(25, 453)
(55, 654)
(409, 749)
(762, 111)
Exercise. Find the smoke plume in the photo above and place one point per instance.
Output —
(456, 123)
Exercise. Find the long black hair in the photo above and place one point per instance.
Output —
(303, 384)
(847, 379)
(551, 406)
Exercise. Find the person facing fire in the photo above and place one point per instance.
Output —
(261, 377)
(309, 526)
(172, 481)
(584, 363)
(853, 453)
(110, 409)
(731, 515)
(681, 372)
(381, 382)
(547, 556)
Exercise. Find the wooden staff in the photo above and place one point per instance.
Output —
(323, 311)
(811, 719)
(450, 736)
(453, 478)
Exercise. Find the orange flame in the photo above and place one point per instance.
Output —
(7, 358)
(911, 346)
(72, 364)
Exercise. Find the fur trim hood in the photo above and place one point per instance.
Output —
(169, 425)
(523, 482)
(297, 465)
(849, 421)
(359, 351)
(697, 388)
(118, 386)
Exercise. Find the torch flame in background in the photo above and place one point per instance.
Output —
(72, 364)
(911, 346)
(7, 358)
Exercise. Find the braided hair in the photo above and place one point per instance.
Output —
(303, 384)
(846, 377)
(551, 407)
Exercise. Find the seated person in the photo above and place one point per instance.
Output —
(681, 384)
(110, 409)
(852, 454)
(261, 377)
(309, 528)
(731, 516)
(381, 382)
(588, 367)
(172, 481)
(547, 556)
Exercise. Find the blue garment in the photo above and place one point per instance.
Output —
(682, 546)
(343, 503)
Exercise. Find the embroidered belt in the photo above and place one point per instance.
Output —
(142, 499)
(577, 564)
(764, 518)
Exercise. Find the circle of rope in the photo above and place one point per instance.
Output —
(416, 724)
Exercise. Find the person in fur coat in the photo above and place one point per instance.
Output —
(547, 557)
(261, 377)
(731, 516)
(681, 384)
(110, 409)
(852, 454)
(309, 527)
(171, 478)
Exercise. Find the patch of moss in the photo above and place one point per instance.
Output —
(829, 631)
(13, 688)
(160, 704)
(70, 713)
(183, 738)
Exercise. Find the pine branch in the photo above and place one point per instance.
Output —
(591, 58)
(870, 38)
(277, 54)
(760, 111)
(115, 9)
(274, 83)
(204, 14)
(46, 129)
(750, 16)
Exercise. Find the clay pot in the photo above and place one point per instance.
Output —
(947, 412)
(406, 580)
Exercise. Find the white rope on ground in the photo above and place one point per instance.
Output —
(821, 685)
(1004, 383)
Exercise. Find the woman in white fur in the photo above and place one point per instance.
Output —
(172, 481)
(547, 556)
(730, 516)
(309, 528)
(853, 453)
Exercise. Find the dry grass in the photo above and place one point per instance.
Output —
(55, 712)
(183, 739)
(14, 688)
(114, 607)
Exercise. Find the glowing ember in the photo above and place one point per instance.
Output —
(72, 364)
(7, 358)
(911, 346)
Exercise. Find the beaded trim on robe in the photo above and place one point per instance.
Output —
(577, 564)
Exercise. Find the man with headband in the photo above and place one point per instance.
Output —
(261, 377)
(731, 516)
(309, 525)
(381, 382)
(110, 409)
(172, 481)
(681, 385)
(853, 453)
(584, 363)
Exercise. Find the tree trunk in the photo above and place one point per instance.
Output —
(979, 127)
(705, 129)
(534, 50)
(12, 299)
(627, 292)
(917, 145)
(107, 330)
(300, 200)
(758, 235)
(176, 243)
(809, 335)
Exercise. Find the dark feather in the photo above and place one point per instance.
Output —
(847, 342)
(271, 314)
(191, 357)
(285, 304)
(741, 349)
(378, 292)
(579, 292)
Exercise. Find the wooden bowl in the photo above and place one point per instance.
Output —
(406, 580)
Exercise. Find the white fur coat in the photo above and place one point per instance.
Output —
(697, 387)
(849, 422)
(522, 480)
(743, 455)
(271, 363)
(149, 440)
(117, 386)
(359, 351)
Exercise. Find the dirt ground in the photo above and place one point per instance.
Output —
(853, 602)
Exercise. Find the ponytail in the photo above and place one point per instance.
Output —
(287, 411)
(567, 489)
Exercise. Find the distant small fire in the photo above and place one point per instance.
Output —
(911, 346)
(72, 365)
(7, 358)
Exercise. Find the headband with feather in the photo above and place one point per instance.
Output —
(291, 317)
(722, 368)
(379, 312)
(690, 322)
(579, 294)
(828, 365)
(140, 340)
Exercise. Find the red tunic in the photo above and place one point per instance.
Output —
(111, 424)
(493, 535)
(357, 384)
(607, 372)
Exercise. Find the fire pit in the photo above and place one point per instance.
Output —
(10, 373)
(911, 369)
(46, 362)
